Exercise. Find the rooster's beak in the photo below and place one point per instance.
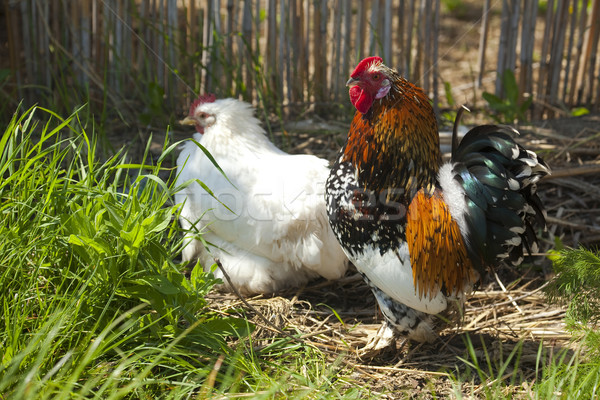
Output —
(352, 82)
(188, 121)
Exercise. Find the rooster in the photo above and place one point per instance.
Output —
(265, 216)
(422, 232)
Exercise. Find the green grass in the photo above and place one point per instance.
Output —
(94, 302)
(566, 374)
(571, 372)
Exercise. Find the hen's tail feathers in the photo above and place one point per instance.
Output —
(499, 178)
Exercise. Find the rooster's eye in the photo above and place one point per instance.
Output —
(376, 77)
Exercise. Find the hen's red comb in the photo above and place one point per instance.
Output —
(365, 64)
(207, 98)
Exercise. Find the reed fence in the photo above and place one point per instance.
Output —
(286, 53)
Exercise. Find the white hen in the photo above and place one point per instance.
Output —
(278, 234)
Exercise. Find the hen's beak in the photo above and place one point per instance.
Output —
(188, 121)
(352, 81)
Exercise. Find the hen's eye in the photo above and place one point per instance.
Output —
(376, 77)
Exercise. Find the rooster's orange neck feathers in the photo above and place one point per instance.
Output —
(395, 145)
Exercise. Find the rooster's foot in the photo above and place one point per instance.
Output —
(384, 340)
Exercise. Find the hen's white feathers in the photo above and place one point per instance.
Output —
(269, 227)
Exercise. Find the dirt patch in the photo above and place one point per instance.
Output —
(496, 323)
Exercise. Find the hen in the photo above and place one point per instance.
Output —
(421, 232)
(266, 219)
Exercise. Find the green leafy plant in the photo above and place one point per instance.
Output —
(510, 108)
(449, 116)
(579, 111)
(155, 103)
(577, 284)
(90, 287)
(456, 7)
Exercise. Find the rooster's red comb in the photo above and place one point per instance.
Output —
(207, 98)
(365, 64)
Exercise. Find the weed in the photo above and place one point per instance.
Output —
(90, 288)
(510, 108)
(94, 302)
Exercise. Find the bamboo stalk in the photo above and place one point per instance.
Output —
(569, 56)
(435, 71)
(257, 54)
(320, 51)
(14, 44)
(303, 64)
(128, 59)
(409, 71)
(258, 34)
(119, 46)
(74, 16)
(387, 32)
(28, 45)
(595, 105)
(418, 59)
(426, 48)
(228, 43)
(576, 78)
(207, 42)
(94, 53)
(400, 37)
(239, 48)
(282, 49)
(83, 16)
(140, 48)
(271, 48)
(98, 81)
(347, 27)
(159, 33)
(173, 89)
(527, 47)
(56, 29)
(515, 16)
(334, 73)
(37, 62)
(502, 47)
(573, 171)
(215, 51)
(374, 23)
(191, 43)
(507, 48)
(247, 35)
(306, 49)
(556, 55)
(308, 20)
(361, 30)
(45, 45)
(295, 53)
(288, 54)
(483, 35)
(108, 28)
(324, 51)
(544, 61)
(592, 49)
